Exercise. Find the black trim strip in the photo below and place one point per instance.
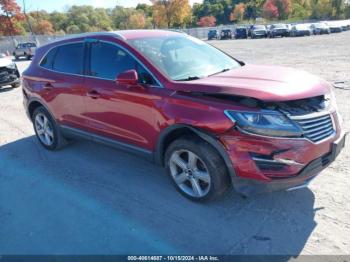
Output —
(78, 133)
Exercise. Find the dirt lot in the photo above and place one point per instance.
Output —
(89, 199)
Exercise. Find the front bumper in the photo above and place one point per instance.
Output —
(294, 162)
(250, 187)
(9, 76)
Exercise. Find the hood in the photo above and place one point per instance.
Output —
(5, 61)
(266, 83)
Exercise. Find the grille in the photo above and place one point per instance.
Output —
(317, 128)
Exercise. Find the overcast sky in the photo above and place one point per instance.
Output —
(61, 5)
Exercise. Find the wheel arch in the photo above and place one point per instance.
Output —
(34, 104)
(176, 131)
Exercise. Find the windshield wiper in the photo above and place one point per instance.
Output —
(190, 78)
(222, 71)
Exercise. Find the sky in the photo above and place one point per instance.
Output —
(62, 5)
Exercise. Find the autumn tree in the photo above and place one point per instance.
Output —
(43, 27)
(207, 21)
(277, 9)
(10, 18)
(171, 12)
(137, 20)
(238, 12)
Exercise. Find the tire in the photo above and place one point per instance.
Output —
(56, 140)
(16, 57)
(209, 171)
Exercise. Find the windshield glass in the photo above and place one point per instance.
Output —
(302, 27)
(279, 26)
(184, 57)
(259, 27)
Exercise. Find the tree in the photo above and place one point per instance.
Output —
(43, 27)
(322, 9)
(270, 10)
(73, 29)
(277, 9)
(137, 20)
(207, 21)
(58, 20)
(10, 17)
(171, 12)
(238, 12)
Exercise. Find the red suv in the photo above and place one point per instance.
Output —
(211, 120)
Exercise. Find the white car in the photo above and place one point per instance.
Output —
(9, 74)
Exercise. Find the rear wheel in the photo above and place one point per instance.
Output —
(46, 130)
(196, 169)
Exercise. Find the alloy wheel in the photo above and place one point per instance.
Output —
(44, 129)
(190, 173)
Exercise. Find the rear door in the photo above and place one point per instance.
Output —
(63, 83)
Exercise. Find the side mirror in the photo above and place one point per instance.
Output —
(129, 77)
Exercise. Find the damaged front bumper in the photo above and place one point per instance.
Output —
(263, 164)
(250, 187)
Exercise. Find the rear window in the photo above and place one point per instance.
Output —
(66, 59)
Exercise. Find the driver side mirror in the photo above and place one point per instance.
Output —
(128, 77)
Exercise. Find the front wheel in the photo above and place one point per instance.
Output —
(196, 169)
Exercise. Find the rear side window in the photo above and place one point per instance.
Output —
(69, 59)
(48, 59)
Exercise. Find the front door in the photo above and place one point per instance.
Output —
(121, 112)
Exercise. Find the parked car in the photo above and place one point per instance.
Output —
(320, 29)
(213, 34)
(241, 32)
(344, 24)
(258, 31)
(278, 30)
(209, 119)
(334, 27)
(226, 34)
(300, 30)
(9, 74)
(26, 50)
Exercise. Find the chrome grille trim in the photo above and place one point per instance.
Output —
(316, 128)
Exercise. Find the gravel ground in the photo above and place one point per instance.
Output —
(90, 199)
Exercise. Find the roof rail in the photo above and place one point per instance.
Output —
(88, 34)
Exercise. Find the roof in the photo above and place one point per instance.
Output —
(127, 34)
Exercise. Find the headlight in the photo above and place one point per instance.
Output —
(11, 66)
(267, 123)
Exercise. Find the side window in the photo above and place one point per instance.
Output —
(48, 59)
(69, 59)
(108, 61)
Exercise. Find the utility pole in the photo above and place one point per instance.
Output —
(28, 22)
(11, 28)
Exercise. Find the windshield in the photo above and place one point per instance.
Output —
(183, 57)
(24, 45)
(279, 26)
(259, 27)
(302, 27)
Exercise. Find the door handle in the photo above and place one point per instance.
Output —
(93, 94)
